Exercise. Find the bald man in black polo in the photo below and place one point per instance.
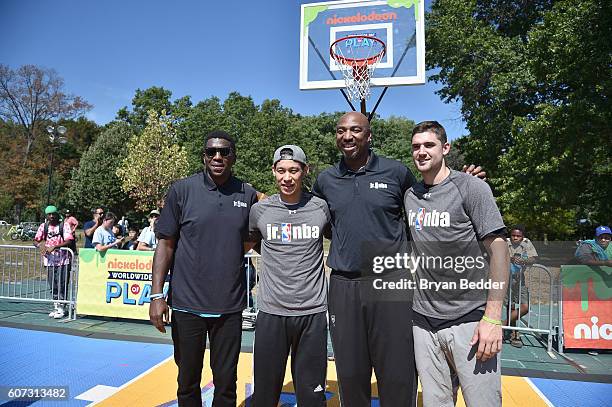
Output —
(365, 197)
(201, 231)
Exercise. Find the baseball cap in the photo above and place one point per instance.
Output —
(290, 152)
(602, 230)
(50, 209)
(154, 212)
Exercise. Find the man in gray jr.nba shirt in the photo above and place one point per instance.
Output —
(292, 294)
(457, 304)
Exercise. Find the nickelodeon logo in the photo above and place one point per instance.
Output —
(583, 331)
(129, 265)
(361, 18)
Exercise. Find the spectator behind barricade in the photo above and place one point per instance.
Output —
(50, 238)
(72, 221)
(104, 238)
(118, 232)
(596, 252)
(124, 224)
(90, 227)
(131, 242)
(147, 239)
(522, 254)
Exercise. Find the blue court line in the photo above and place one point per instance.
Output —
(35, 358)
(567, 393)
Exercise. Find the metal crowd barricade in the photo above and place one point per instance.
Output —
(538, 281)
(24, 278)
(251, 265)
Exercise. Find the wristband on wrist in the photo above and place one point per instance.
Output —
(156, 296)
(491, 320)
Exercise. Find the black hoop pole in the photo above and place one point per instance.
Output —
(392, 75)
(363, 108)
(330, 72)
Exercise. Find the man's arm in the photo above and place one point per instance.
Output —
(144, 247)
(159, 313)
(488, 335)
(104, 247)
(90, 232)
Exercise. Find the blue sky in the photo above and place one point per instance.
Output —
(105, 50)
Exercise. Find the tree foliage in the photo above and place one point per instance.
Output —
(535, 82)
(154, 160)
(31, 96)
(95, 182)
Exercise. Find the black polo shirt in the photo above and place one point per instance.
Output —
(210, 224)
(366, 208)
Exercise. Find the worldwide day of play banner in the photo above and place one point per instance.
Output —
(115, 284)
(587, 307)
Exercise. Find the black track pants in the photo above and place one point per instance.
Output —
(372, 329)
(306, 338)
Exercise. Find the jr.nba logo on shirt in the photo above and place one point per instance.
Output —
(285, 232)
(423, 218)
(290, 232)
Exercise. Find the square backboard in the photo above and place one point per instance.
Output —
(398, 23)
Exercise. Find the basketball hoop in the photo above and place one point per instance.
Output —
(357, 57)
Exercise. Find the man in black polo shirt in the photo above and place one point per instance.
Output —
(201, 231)
(369, 328)
(365, 196)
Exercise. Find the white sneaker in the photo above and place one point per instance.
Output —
(60, 312)
(52, 313)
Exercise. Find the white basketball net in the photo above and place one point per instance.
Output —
(358, 71)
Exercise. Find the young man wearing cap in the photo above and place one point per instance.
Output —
(292, 294)
(147, 241)
(598, 251)
(50, 238)
(458, 300)
(202, 229)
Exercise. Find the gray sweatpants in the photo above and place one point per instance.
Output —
(445, 360)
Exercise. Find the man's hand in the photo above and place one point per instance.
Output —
(42, 249)
(488, 336)
(475, 171)
(159, 314)
(50, 249)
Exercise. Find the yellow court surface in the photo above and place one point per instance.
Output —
(157, 387)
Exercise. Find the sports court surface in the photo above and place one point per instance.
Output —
(99, 366)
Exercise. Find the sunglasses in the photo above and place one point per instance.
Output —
(212, 151)
(99, 213)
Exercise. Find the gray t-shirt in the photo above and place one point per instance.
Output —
(447, 222)
(292, 277)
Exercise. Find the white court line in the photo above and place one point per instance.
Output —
(123, 386)
(538, 392)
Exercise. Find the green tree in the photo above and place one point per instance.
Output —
(154, 160)
(30, 96)
(95, 182)
(157, 99)
(534, 79)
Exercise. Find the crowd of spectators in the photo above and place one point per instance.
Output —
(104, 232)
